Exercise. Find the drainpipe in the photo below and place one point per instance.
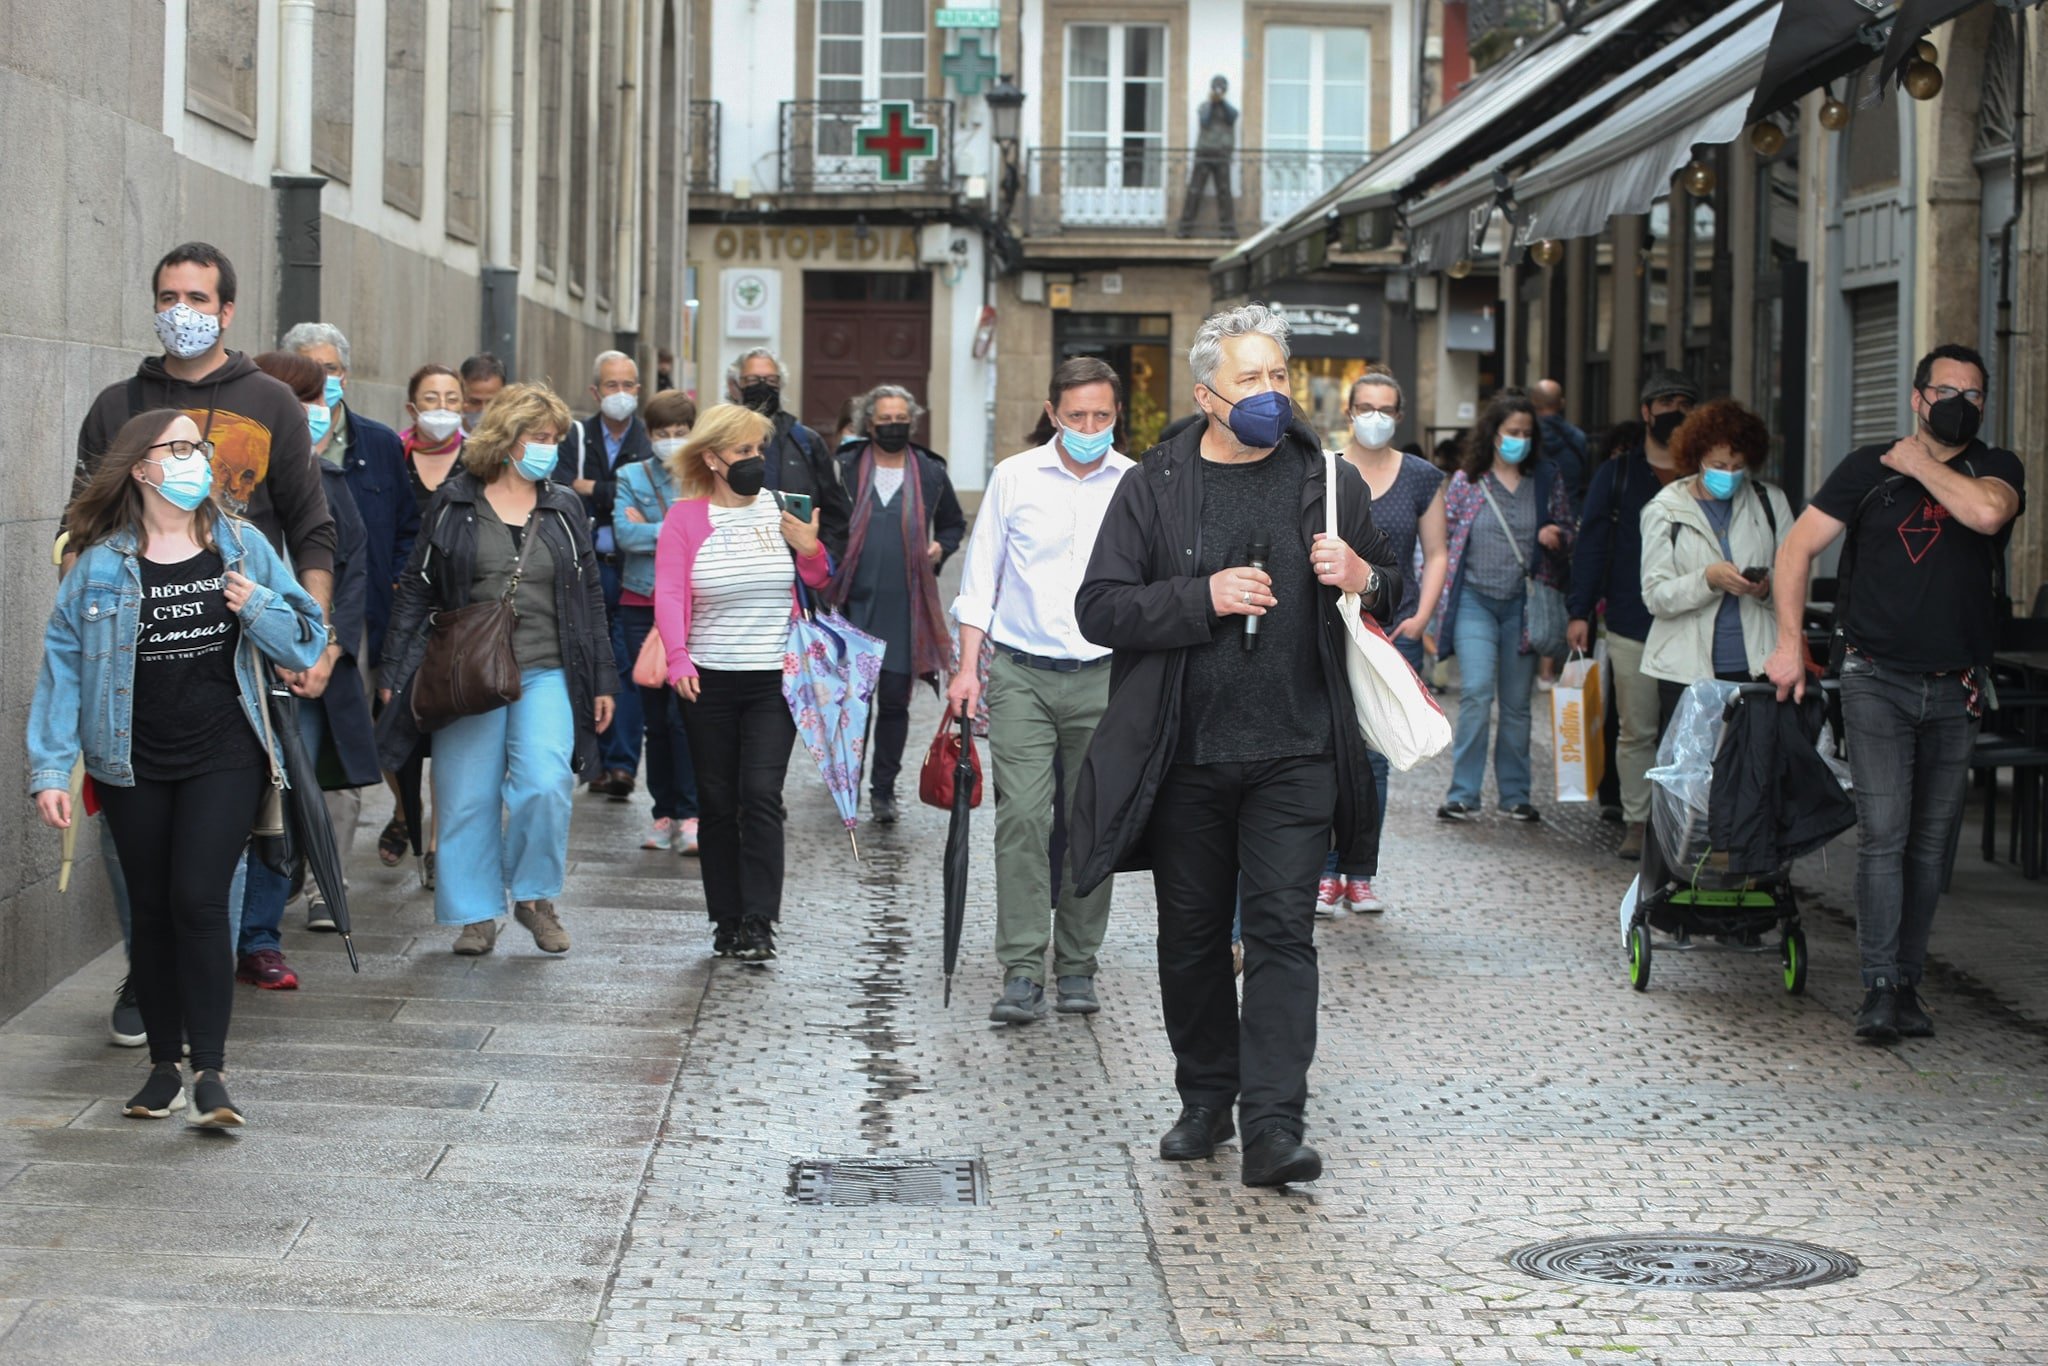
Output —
(294, 187)
(500, 278)
(626, 232)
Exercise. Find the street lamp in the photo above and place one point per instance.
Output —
(1005, 111)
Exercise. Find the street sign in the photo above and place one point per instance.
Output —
(969, 18)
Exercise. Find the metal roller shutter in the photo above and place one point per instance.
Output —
(1878, 372)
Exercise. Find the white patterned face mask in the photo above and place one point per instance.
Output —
(186, 332)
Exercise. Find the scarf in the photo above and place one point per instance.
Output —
(931, 640)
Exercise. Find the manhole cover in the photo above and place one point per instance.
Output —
(1682, 1261)
(880, 1181)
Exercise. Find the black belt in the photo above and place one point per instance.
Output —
(1057, 666)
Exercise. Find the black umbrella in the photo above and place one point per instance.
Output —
(964, 776)
(1815, 42)
(305, 815)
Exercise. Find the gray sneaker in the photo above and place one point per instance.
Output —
(1077, 996)
(1022, 1002)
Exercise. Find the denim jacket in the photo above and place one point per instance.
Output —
(645, 485)
(85, 693)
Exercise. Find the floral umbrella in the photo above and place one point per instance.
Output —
(829, 672)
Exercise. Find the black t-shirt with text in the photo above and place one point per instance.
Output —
(1920, 593)
(1240, 707)
(188, 707)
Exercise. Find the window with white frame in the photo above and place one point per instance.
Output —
(1115, 119)
(1318, 112)
(867, 50)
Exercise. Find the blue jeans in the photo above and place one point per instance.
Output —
(257, 895)
(1909, 741)
(620, 742)
(1488, 643)
(1411, 650)
(671, 776)
(502, 794)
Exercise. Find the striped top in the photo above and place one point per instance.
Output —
(740, 590)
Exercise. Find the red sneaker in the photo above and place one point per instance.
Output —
(266, 968)
(1330, 899)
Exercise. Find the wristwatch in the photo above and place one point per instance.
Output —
(1372, 582)
(331, 641)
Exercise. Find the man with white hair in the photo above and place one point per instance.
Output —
(797, 458)
(1230, 759)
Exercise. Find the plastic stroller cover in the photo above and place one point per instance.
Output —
(1684, 775)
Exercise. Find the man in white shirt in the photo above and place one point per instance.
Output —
(1048, 684)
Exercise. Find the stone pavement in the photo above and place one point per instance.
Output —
(553, 1160)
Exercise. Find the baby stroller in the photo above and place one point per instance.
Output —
(1696, 893)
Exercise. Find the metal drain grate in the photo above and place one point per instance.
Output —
(1686, 1262)
(888, 1181)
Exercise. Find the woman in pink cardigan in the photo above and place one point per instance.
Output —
(725, 572)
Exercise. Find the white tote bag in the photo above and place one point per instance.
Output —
(1395, 710)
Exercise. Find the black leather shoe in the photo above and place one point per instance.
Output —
(1275, 1157)
(884, 806)
(1196, 1133)
(1878, 1019)
(1913, 1021)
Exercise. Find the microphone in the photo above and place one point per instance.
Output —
(1261, 551)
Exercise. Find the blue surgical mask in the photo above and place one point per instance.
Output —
(1722, 484)
(1514, 449)
(319, 421)
(187, 480)
(535, 461)
(333, 393)
(1086, 448)
(1260, 419)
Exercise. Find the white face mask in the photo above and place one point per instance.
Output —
(619, 407)
(186, 332)
(438, 424)
(666, 448)
(1373, 430)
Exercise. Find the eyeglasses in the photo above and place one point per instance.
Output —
(180, 449)
(1392, 410)
(1943, 392)
(772, 381)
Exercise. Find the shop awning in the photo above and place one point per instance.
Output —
(1447, 224)
(1487, 105)
(1625, 164)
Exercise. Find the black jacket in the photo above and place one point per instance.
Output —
(349, 758)
(1773, 798)
(437, 579)
(1140, 599)
(941, 504)
(798, 462)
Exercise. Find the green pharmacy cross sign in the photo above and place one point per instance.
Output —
(967, 66)
(895, 141)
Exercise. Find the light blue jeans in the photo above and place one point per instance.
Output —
(502, 794)
(1492, 668)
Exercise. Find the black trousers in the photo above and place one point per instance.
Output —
(1259, 831)
(740, 734)
(179, 844)
(892, 731)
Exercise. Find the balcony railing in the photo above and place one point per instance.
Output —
(703, 144)
(857, 146)
(1141, 187)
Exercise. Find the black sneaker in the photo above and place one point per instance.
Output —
(318, 917)
(886, 812)
(1455, 811)
(125, 1024)
(1525, 813)
(757, 940)
(160, 1095)
(725, 939)
(1022, 1002)
(1913, 1022)
(1878, 1019)
(211, 1108)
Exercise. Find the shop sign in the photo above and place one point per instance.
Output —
(1330, 320)
(844, 244)
(752, 303)
(969, 18)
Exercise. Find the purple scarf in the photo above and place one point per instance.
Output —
(931, 640)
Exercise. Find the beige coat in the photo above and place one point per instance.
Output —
(1678, 545)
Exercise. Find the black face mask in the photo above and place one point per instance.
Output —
(892, 436)
(1664, 426)
(763, 396)
(746, 477)
(1954, 421)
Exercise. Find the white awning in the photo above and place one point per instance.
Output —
(1445, 225)
(1625, 165)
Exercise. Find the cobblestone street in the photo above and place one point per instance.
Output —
(525, 1159)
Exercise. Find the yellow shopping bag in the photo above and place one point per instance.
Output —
(1576, 737)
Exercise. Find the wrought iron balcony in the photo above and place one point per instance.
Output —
(867, 146)
(1140, 187)
(703, 144)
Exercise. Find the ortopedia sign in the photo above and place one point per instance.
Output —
(969, 18)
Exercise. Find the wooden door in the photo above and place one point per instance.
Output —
(852, 345)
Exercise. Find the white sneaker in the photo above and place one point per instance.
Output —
(661, 835)
(686, 837)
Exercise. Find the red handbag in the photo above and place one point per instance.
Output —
(935, 779)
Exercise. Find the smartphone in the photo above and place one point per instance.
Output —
(1757, 573)
(797, 505)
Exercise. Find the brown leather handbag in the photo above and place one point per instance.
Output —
(469, 667)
